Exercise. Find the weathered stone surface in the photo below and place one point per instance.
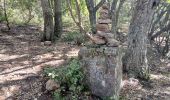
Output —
(106, 35)
(104, 21)
(47, 43)
(51, 85)
(102, 27)
(104, 16)
(112, 42)
(96, 39)
(103, 70)
(104, 11)
(105, 6)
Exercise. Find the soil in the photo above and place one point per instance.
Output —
(23, 57)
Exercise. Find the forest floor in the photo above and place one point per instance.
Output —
(23, 58)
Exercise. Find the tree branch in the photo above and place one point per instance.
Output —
(99, 5)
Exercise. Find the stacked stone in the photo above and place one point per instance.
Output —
(104, 35)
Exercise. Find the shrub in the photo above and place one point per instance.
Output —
(77, 37)
(70, 78)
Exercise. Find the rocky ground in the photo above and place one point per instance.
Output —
(23, 57)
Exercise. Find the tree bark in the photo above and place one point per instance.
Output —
(135, 60)
(78, 22)
(6, 16)
(115, 9)
(48, 34)
(58, 18)
(92, 13)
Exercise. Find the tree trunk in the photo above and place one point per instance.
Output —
(48, 34)
(6, 16)
(135, 59)
(115, 9)
(58, 18)
(92, 17)
(92, 13)
(78, 22)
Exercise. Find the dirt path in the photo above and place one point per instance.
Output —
(22, 58)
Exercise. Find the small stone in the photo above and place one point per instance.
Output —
(105, 6)
(51, 85)
(47, 43)
(98, 40)
(102, 27)
(105, 35)
(112, 42)
(42, 43)
(104, 21)
(103, 16)
(104, 11)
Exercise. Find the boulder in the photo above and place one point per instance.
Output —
(103, 70)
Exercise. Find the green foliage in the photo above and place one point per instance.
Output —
(70, 36)
(77, 37)
(24, 11)
(70, 78)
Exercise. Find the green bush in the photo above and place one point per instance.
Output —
(77, 37)
(70, 78)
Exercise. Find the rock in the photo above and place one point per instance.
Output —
(104, 16)
(104, 11)
(105, 6)
(2, 98)
(112, 42)
(96, 39)
(47, 43)
(51, 85)
(102, 27)
(83, 51)
(105, 35)
(104, 21)
(103, 70)
(42, 43)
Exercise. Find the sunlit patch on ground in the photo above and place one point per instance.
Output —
(22, 58)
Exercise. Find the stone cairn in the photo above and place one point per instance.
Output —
(102, 65)
(104, 35)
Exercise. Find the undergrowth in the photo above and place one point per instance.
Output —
(70, 78)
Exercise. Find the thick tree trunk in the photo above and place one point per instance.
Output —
(58, 18)
(135, 59)
(48, 34)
